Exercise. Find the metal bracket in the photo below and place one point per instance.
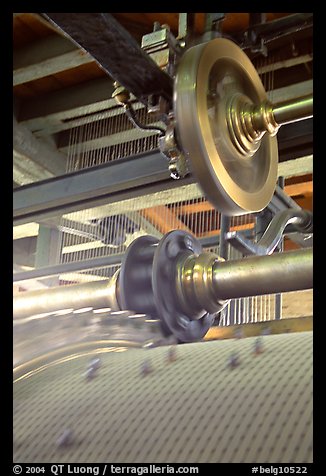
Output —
(300, 219)
(169, 148)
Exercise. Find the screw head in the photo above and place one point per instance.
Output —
(188, 243)
(174, 172)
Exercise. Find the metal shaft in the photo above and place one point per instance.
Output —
(280, 272)
(248, 122)
(202, 282)
(294, 110)
(96, 294)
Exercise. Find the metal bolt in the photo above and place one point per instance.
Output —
(258, 346)
(174, 172)
(188, 243)
(65, 439)
(172, 354)
(234, 361)
(146, 368)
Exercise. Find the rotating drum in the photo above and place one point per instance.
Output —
(193, 408)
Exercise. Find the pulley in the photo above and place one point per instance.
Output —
(226, 126)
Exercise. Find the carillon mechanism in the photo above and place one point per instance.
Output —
(162, 206)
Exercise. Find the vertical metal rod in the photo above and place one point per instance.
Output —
(225, 228)
(211, 19)
(47, 250)
(278, 306)
(182, 26)
(278, 296)
(225, 223)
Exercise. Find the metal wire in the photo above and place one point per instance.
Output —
(109, 136)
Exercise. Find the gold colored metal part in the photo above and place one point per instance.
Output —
(195, 286)
(295, 110)
(120, 94)
(209, 76)
(203, 283)
(297, 324)
(222, 117)
(248, 122)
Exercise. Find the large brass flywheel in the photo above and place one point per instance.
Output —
(216, 89)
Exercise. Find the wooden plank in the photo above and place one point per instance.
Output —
(26, 230)
(34, 156)
(163, 219)
(305, 202)
(295, 167)
(195, 208)
(38, 51)
(27, 28)
(163, 198)
(60, 106)
(288, 63)
(293, 91)
(303, 188)
(50, 66)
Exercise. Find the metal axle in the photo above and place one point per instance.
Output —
(176, 281)
(248, 122)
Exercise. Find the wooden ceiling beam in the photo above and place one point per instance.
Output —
(302, 188)
(195, 208)
(49, 56)
(163, 219)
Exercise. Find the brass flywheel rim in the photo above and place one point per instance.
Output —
(209, 76)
